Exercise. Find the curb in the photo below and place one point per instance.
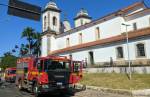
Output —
(132, 93)
(141, 93)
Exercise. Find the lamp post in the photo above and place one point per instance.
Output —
(127, 43)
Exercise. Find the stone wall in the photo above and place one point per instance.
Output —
(139, 70)
(122, 63)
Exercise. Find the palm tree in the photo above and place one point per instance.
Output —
(37, 44)
(7, 53)
(28, 34)
(13, 50)
(23, 50)
(16, 47)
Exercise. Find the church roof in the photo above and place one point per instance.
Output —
(108, 17)
(82, 14)
(52, 6)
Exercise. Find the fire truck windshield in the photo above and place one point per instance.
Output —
(53, 65)
(12, 71)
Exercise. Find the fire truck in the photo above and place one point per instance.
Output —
(10, 74)
(49, 74)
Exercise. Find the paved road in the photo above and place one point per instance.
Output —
(9, 90)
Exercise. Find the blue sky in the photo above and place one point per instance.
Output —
(11, 26)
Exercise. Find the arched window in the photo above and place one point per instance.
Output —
(149, 21)
(97, 33)
(67, 42)
(119, 52)
(81, 22)
(45, 22)
(80, 38)
(140, 50)
(54, 21)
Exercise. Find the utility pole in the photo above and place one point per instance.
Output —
(128, 52)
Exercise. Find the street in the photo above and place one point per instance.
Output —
(10, 90)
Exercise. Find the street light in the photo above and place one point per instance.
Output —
(127, 42)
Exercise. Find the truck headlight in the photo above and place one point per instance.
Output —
(45, 86)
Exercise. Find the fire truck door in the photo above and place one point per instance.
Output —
(40, 65)
(77, 71)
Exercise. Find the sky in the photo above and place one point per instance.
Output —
(11, 26)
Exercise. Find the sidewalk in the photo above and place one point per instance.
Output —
(132, 93)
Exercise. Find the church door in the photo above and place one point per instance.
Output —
(91, 58)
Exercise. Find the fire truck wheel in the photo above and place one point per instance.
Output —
(20, 85)
(35, 90)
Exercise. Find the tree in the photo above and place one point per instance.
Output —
(34, 42)
(28, 34)
(37, 44)
(23, 50)
(8, 60)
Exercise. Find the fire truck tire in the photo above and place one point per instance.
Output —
(19, 85)
(35, 90)
(84, 87)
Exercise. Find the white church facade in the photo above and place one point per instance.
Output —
(102, 41)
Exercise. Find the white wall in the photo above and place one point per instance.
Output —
(78, 21)
(107, 29)
(53, 43)
(103, 53)
(141, 22)
(44, 47)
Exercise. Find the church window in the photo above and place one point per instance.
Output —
(81, 22)
(140, 50)
(80, 38)
(97, 33)
(149, 21)
(134, 26)
(119, 52)
(67, 42)
(54, 21)
(45, 22)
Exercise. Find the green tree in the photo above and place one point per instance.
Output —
(23, 50)
(28, 34)
(37, 44)
(8, 60)
(34, 42)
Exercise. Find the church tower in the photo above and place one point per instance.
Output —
(50, 27)
(51, 17)
(82, 18)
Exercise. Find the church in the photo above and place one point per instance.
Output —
(110, 40)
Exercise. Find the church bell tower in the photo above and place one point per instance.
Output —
(50, 27)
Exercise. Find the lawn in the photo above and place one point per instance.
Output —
(117, 81)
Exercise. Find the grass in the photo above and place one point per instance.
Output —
(117, 81)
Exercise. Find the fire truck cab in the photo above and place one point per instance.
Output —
(48, 74)
(10, 74)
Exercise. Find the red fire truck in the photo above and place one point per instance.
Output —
(48, 74)
(10, 74)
